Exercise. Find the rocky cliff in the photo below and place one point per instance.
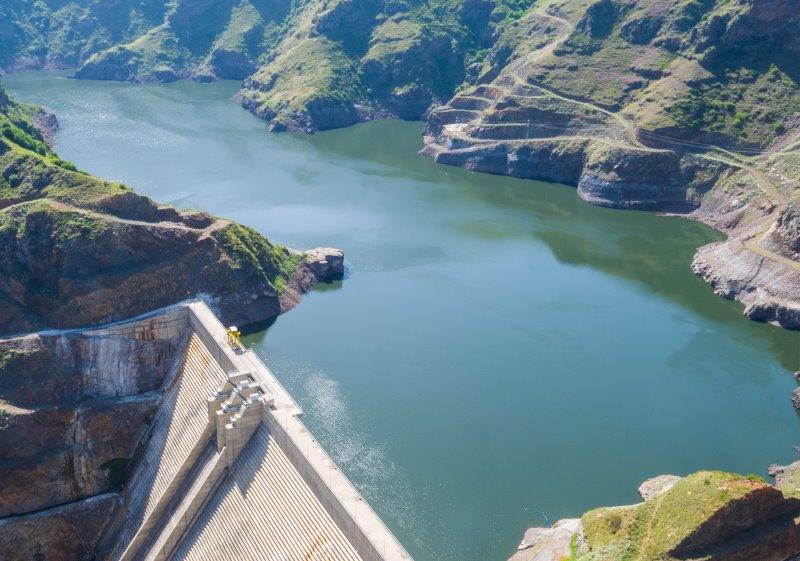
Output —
(653, 106)
(76, 250)
(706, 515)
(73, 410)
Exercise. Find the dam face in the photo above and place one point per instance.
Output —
(225, 468)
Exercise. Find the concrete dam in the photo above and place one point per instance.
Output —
(225, 469)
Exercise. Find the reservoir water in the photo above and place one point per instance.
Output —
(499, 355)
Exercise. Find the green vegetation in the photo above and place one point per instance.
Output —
(722, 71)
(248, 248)
(742, 103)
(573, 549)
(314, 71)
(314, 63)
(19, 133)
(17, 125)
(43, 198)
(657, 528)
(224, 39)
(708, 71)
(65, 33)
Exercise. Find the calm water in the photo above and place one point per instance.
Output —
(499, 354)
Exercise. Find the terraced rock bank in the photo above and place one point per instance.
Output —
(557, 113)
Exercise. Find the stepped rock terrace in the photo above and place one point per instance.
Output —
(224, 465)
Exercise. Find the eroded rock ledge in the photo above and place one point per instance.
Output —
(706, 515)
(569, 143)
(78, 251)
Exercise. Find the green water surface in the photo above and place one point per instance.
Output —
(499, 354)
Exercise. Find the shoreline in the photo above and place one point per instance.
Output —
(445, 145)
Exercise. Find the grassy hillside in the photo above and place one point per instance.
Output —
(77, 250)
(723, 71)
(710, 71)
(707, 515)
(204, 40)
(317, 63)
(59, 33)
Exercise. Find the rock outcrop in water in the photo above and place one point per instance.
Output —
(706, 515)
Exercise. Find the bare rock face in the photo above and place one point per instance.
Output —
(326, 263)
(32, 537)
(548, 544)
(769, 289)
(784, 236)
(73, 408)
(59, 454)
(322, 264)
(787, 478)
(657, 486)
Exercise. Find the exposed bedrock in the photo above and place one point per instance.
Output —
(55, 454)
(783, 236)
(769, 289)
(604, 175)
(72, 407)
(322, 264)
(73, 527)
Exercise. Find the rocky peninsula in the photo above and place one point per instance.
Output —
(705, 515)
(77, 250)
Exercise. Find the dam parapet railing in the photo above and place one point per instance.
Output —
(280, 414)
